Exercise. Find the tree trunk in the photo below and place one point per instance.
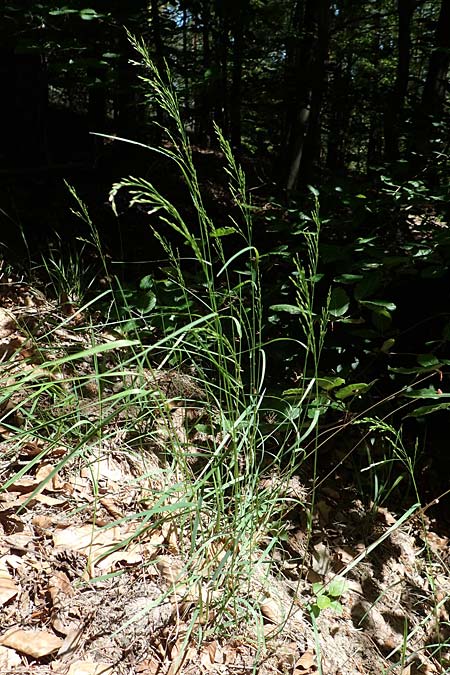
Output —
(313, 137)
(393, 114)
(436, 84)
(240, 19)
(203, 117)
(431, 108)
(311, 23)
(221, 80)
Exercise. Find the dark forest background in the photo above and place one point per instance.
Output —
(345, 101)
(312, 91)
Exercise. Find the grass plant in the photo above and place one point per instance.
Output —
(227, 448)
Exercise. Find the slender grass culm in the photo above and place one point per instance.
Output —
(225, 481)
(238, 514)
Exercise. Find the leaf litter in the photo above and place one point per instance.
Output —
(89, 585)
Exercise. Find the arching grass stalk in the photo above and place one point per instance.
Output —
(229, 536)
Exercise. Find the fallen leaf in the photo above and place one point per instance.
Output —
(8, 588)
(9, 659)
(35, 643)
(306, 661)
(271, 610)
(90, 668)
(23, 485)
(42, 522)
(71, 641)
(321, 561)
(208, 655)
(148, 667)
(110, 505)
(47, 500)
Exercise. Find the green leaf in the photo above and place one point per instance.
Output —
(330, 383)
(323, 601)
(370, 283)
(428, 409)
(339, 302)
(427, 360)
(317, 587)
(290, 309)
(336, 606)
(378, 305)
(410, 371)
(387, 345)
(222, 232)
(347, 278)
(337, 587)
(429, 392)
(352, 390)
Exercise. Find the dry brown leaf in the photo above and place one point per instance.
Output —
(130, 556)
(305, 662)
(71, 641)
(42, 522)
(8, 587)
(47, 500)
(321, 560)
(148, 667)
(169, 569)
(36, 643)
(271, 610)
(208, 655)
(9, 659)
(23, 485)
(59, 588)
(110, 505)
(90, 668)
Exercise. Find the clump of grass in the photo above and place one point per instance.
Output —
(228, 449)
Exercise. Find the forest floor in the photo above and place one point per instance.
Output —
(89, 586)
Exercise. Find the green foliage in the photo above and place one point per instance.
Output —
(327, 596)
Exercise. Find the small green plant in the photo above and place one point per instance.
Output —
(327, 596)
